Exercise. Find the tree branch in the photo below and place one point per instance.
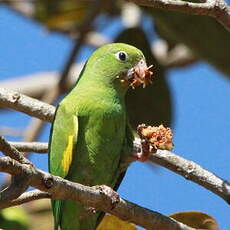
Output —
(9, 150)
(218, 9)
(25, 197)
(37, 147)
(32, 107)
(18, 183)
(61, 189)
(17, 186)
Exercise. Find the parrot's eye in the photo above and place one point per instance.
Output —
(122, 56)
(142, 62)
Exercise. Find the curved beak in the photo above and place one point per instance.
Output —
(139, 74)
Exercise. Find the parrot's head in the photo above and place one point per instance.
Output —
(121, 64)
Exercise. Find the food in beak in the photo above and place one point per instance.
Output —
(139, 74)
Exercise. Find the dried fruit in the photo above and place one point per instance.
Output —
(158, 137)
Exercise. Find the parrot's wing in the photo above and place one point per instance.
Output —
(63, 138)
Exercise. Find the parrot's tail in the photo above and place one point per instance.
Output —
(69, 215)
(56, 206)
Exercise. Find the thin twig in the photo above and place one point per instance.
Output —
(37, 147)
(218, 9)
(25, 197)
(18, 183)
(16, 187)
(11, 151)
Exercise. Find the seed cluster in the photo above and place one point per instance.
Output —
(159, 137)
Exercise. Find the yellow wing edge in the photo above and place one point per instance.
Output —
(68, 153)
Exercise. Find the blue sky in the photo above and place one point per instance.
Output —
(201, 98)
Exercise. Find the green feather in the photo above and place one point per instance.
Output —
(90, 133)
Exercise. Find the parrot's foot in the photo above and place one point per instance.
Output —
(91, 210)
(152, 139)
(109, 194)
(146, 151)
(141, 157)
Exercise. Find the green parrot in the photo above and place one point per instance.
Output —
(90, 134)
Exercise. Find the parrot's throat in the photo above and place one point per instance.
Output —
(138, 75)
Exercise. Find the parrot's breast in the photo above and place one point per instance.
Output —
(100, 138)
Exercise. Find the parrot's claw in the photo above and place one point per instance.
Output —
(91, 210)
(146, 151)
(109, 194)
(142, 157)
